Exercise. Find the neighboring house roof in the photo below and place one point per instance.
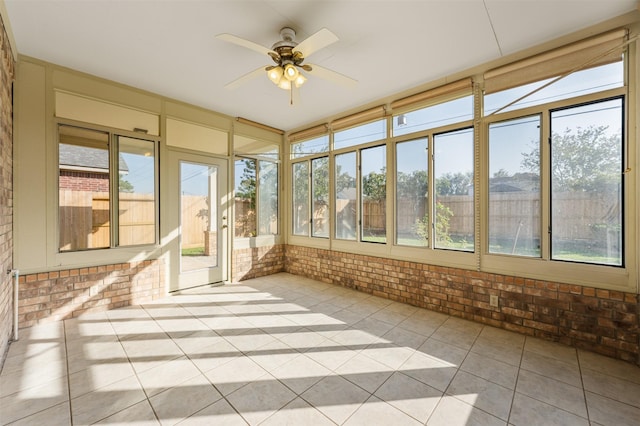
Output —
(503, 187)
(519, 182)
(76, 157)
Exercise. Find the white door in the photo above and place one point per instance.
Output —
(198, 248)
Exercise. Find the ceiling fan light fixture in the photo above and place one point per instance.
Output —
(284, 84)
(275, 74)
(288, 56)
(291, 72)
(300, 79)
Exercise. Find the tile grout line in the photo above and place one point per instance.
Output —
(444, 393)
(564, 383)
(584, 391)
(66, 356)
(515, 386)
(222, 395)
(135, 373)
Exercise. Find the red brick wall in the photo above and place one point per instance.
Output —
(54, 296)
(601, 321)
(84, 181)
(6, 191)
(257, 262)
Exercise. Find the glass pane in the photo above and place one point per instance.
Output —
(361, 134)
(434, 116)
(136, 191)
(374, 194)
(310, 147)
(586, 183)
(83, 185)
(268, 200)
(453, 172)
(514, 187)
(301, 198)
(320, 199)
(580, 83)
(412, 191)
(198, 217)
(245, 200)
(346, 219)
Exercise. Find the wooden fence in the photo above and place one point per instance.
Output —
(577, 215)
(84, 217)
(194, 217)
(85, 223)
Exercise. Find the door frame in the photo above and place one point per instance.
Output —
(171, 223)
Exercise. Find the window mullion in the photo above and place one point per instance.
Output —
(545, 186)
(114, 185)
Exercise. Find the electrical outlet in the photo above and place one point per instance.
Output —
(493, 301)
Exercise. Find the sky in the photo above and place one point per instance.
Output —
(453, 151)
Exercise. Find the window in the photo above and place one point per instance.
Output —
(136, 191)
(311, 198)
(267, 198)
(256, 197)
(101, 205)
(309, 147)
(320, 197)
(514, 187)
(245, 199)
(412, 192)
(579, 168)
(300, 181)
(363, 133)
(583, 82)
(373, 163)
(586, 183)
(346, 201)
(549, 153)
(454, 206)
(433, 116)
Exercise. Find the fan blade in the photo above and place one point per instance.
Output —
(245, 43)
(315, 42)
(245, 78)
(327, 74)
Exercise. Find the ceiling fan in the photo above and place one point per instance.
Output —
(289, 56)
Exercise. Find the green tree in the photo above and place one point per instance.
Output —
(501, 173)
(344, 180)
(320, 182)
(454, 183)
(124, 185)
(412, 185)
(586, 159)
(443, 218)
(374, 185)
(246, 188)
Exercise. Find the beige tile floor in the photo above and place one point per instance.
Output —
(285, 350)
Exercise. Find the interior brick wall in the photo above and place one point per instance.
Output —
(6, 191)
(257, 262)
(54, 296)
(596, 320)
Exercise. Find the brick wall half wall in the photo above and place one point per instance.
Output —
(601, 321)
(257, 262)
(54, 296)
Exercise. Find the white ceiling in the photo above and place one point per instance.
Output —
(168, 46)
